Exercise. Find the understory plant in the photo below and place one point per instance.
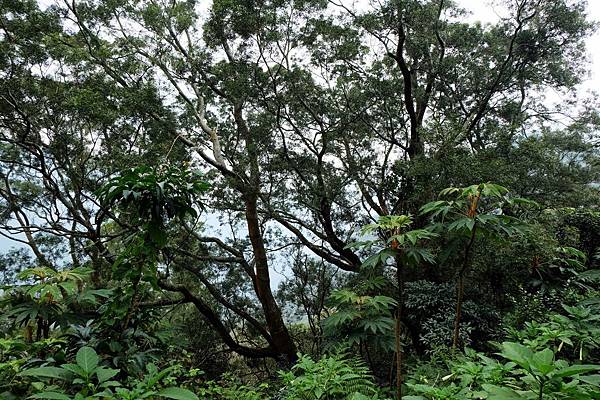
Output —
(336, 377)
(575, 333)
(88, 379)
(519, 373)
(397, 247)
(469, 214)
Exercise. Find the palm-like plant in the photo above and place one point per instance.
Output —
(472, 212)
(361, 319)
(46, 297)
(399, 247)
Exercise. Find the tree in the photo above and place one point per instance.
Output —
(304, 129)
(475, 211)
(405, 248)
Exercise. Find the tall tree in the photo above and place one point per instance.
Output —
(310, 118)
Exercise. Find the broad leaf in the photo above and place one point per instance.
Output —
(177, 394)
(46, 372)
(501, 393)
(543, 361)
(104, 374)
(518, 353)
(576, 370)
(591, 379)
(50, 395)
(87, 359)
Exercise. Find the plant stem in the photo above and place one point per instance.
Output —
(399, 329)
(460, 289)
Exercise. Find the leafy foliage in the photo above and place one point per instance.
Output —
(335, 377)
(573, 334)
(155, 196)
(310, 119)
(50, 298)
(360, 319)
(88, 379)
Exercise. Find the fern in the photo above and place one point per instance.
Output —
(337, 377)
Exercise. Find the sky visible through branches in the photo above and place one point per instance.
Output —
(485, 11)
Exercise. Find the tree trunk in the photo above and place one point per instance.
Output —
(46, 329)
(39, 326)
(460, 289)
(460, 293)
(282, 340)
(399, 353)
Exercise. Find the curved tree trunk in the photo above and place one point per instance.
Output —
(280, 335)
(282, 341)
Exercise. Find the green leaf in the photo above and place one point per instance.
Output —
(461, 223)
(157, 235)
(46, 372)
(449, 191)
(493, 190)
(433, 206)
(378, 259)
(87, 359)
(592, 275)
(518, 353)
(177, 394)
(105, 374)
(543, 361)
(340, 318)
(50, 395)
(591, 380)
(318, 392)
(501, 393)
(76, 369)
(576, 370)
(360, 396)
(105, 394)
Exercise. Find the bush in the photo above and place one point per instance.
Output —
(331, 378)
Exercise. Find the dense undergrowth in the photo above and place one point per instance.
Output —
(553, 359)
(66, 338)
